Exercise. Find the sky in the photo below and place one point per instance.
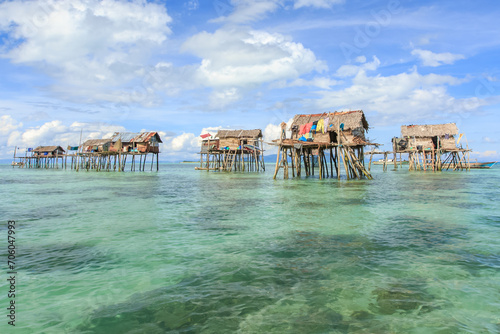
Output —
(88, 68)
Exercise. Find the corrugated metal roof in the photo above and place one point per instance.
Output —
(125, 137)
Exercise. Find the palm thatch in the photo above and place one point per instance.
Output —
(352, 119)
(48, 149)
(96, 142)
(136, 137)
(256, 133)
(429, 130)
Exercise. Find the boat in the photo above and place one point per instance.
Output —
(476, 165)
(482, 164)
(17, 163)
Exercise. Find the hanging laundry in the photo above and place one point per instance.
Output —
(308, 127)
(326, 121)
(314, 126)
(446, 136)
(302, 129)
(321, 126)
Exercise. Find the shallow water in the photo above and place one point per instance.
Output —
(185, 251)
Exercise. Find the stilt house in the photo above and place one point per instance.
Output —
(45, 157)
(96, 145)
(48, 151)
(143, 142)
(237, 150)
(432, 147)
(341, 135)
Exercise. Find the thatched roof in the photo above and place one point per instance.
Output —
(42, 149)
(257, 133)
(96, 142)
(135, 137)
(429, 130)
(351, 119)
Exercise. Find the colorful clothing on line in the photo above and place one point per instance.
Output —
(321, 126)
(325, 125)
(307, 127)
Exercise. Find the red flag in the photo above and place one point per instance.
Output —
(205, 135)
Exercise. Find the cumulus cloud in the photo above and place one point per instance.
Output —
(351, 70)
(54, 133)
(8, 125)
(88, 46)
(273, 131)
(320, 82)
(244, 59)
(403, 97)
(176, 147)
(432, 59)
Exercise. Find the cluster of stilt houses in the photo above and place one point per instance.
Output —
(109, 154)
(330, 144)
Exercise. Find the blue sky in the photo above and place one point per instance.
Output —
(185, 68)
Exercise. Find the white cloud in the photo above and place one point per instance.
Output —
(404, 97)
(183, 142)
(224, 97)
(320, 82)
(432, 59)
(8, 125)
(180, 147)
(351, 70)
(55, 133)
(273, 131)
(317, 3)
(239, 58)
(90, 47)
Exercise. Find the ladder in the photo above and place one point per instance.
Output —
(229, 160)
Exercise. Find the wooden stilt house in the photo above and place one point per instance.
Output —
(433, 147)
(45, 157)
(96, 145)
(324, 142)
(232, 150)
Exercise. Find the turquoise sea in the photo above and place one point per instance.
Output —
(185, 251)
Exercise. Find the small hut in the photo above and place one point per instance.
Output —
(142, 142)
(341, 135)
(432, 147)
(96, 145)
(237, 150)
(48, 151)
(45, 157)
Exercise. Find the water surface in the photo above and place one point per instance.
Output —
(185, 251)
